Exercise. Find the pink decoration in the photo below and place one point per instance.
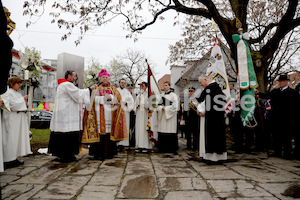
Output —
(103, 72)
(46, 106)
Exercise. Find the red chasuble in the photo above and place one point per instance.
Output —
(118, 121)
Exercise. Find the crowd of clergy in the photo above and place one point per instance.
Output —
(113, 119)
(109, 119)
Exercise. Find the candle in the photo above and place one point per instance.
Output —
(26, 74)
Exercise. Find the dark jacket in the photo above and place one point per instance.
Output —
(192, 118)
(6, 55)
(284, 104)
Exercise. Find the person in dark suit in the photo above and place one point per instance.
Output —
(6, 55)
(130, 88)
(297, 133)
(192, 122)
(284, 107)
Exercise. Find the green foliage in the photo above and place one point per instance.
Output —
(31, 60)
(40, 135)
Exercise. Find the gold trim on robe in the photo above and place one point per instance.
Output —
(90, 132)
(118, 118)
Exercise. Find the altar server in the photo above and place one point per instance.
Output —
(167, 120)
(16, 140)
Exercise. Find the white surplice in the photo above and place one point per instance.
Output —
(202, 151)
(66, 113)
(100, 100)
(126, 99)
(15, 127)
(167, 118)
(141, 120)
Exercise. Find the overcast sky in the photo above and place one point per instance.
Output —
(102, 44)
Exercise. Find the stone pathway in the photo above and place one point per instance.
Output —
(151, 176)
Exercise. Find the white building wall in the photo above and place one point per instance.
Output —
(176, 73)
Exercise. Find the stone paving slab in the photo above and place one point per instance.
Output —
(19, 171)
(265, 173)
(191, 195)
(145, 176)
(139, 168)
(45, 174)
(98, 193)
(83, 167)
(107, 177)
(65, 187)
(20, 191)
(139, 186)
(174, 183)
(175, 172)
(278, 188)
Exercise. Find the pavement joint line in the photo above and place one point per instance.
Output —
(92, 175)
(123, 175)
(60, 175)
(210, 189)
(208, 186)
(160, 192)
(282, 168)
(257, 185)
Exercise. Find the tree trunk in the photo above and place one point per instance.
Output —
(261, 78)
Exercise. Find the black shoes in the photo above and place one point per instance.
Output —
(12, 164)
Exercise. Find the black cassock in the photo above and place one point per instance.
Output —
(215, 140)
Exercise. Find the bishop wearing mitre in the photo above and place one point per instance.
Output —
(104, 121)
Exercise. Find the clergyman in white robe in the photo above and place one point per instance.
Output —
(141, 135)
(15, 127)
(128, 106)
(167, 123)
(66, 120)
(97, 150)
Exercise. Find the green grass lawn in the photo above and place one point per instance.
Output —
(40, 135)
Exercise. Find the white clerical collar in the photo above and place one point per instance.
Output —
(168, 92)
(284, 88)
(212, 81)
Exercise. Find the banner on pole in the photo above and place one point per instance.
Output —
(216, 70)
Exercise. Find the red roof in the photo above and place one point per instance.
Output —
(49, 68)
(15, 53)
